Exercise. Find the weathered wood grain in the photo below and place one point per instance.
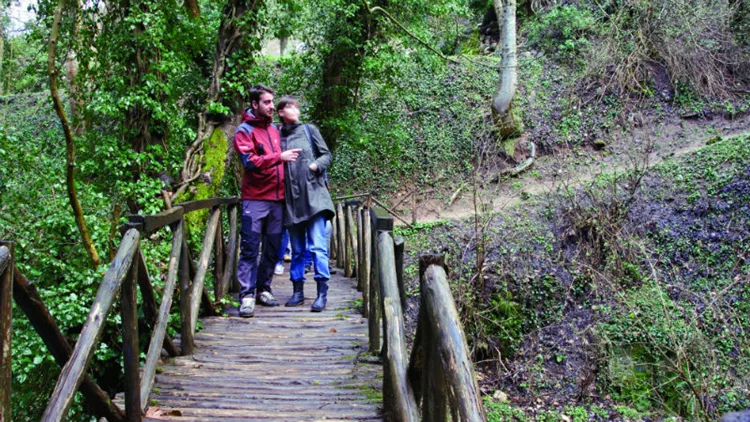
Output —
(203, 261)
(183, 274)
(27, 298)
(366, 260)
(448, 337)
(74, 370)
(398, 249)
(207, 203)
(130, 351)
(360, 251)
(398, 397)
(341, 241)
(348, 239)
(151, 223)
(219, 260)
(149, 303)
(231, 263)
(282, 364)
(6, 307)
(159, 333)
(333, 242)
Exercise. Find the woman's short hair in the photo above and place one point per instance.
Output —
(288, 100)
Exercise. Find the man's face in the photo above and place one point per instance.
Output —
(265, 107)
(290, 113)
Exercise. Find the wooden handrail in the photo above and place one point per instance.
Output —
(449, 339)
(397, 392)
(231, 255)
(126, 273)
(200, 275)
(160, 328)
(74, 370)
(130, 349)
(439, 372)
(27, 298)
(6, 307)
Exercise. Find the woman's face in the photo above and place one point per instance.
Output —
(290, 113)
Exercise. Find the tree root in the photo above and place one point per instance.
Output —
(515, 171)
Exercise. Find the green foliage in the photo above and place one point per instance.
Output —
(564, 30)
(503, 412)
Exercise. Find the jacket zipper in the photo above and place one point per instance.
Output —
(278, 178)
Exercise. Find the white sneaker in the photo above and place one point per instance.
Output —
(247, 307)
(279, 270)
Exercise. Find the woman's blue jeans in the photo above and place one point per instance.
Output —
(309, 236)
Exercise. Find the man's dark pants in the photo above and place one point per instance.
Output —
(260, 219)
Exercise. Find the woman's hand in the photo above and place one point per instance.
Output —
(314, 166)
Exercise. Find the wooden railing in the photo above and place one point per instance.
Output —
(6, 288)
(439, 373)
(127, 270)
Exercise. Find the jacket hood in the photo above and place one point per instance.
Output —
(249, 117)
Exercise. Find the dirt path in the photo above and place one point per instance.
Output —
(574, 166)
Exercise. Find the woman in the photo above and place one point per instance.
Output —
(308, 204)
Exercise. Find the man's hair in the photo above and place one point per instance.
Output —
(258, 90)
(288, 100)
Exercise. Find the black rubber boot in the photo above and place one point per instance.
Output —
(320, 301)
(298, 296)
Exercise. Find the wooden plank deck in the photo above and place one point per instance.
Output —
(284, 364)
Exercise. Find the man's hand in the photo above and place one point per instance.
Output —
(314, 166)
(290, 154)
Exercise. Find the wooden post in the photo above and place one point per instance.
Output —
(6, 308)
(360, 250)
(129, 308)
(341, 253)
(219, 260)
(367, 256)
(149, 302)
(200, 275)
(75, 369)
(229, 268)
(28, 300)
(348, 241)
(433, 385)
(332, 244)
(160, 327)
(381, 221)
(235, 282)
(352, 246)
(398, 246)
(186, 333)
(448, 337)
(373, 316)
(398, 397)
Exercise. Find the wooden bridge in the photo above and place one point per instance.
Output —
(347, 363)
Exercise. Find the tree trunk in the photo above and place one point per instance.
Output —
(342, 69)
(230, 36)
(506, 89)
(283, 42)
(193, 8)
(69, 144)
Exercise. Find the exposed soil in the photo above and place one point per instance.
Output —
(671, 137)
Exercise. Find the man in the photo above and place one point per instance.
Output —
(308, 203)
(258, 145)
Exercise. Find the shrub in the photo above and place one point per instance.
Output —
(693, 41)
